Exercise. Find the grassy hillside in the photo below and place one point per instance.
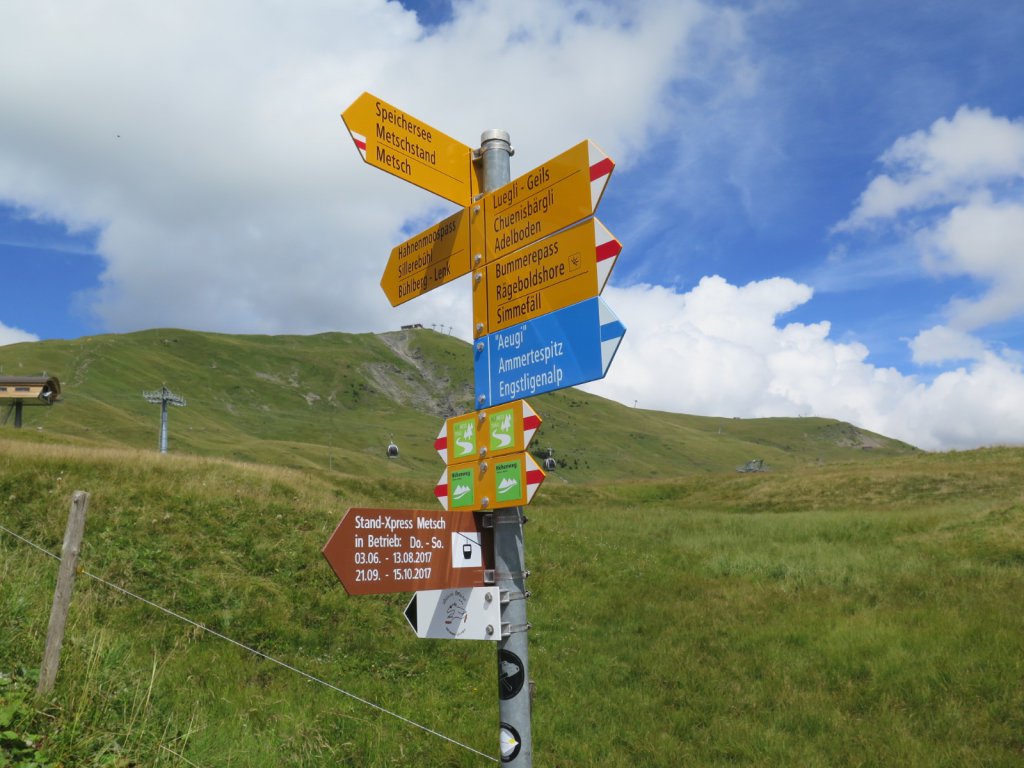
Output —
(839, 615)
(333, 401)
(328, 400)
(853, 606)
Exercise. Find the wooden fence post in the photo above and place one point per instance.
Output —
(62, 594)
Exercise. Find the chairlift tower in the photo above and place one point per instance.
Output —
(164, 396)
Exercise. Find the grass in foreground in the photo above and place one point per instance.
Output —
(840, 616)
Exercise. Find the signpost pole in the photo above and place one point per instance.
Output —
(163, 421)
(509, 559)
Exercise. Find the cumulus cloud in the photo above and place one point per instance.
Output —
(720, 350)
(983, 239)
(203, 139)
(954, 193)
(941, 344)
(946, 164)
(9, 335)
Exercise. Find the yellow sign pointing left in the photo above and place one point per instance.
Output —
(435, 256)
(396, 142)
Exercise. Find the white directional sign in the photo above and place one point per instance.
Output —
(456, 614)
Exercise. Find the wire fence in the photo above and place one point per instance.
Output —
(255, 652)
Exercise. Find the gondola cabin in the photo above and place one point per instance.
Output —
(19, 391)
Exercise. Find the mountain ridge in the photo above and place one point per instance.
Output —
(334, 401)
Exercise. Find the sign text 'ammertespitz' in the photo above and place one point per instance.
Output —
(561, 349)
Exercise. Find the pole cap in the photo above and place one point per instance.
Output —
(495, 138)
(495, 134)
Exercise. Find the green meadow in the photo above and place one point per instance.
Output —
(856, 605)
(332, 402)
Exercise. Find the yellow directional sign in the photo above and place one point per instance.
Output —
(398, 143)
(558, 193)
(568, 267)
(434, 257)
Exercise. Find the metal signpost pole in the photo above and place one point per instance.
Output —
(163, 420)
(516, 736)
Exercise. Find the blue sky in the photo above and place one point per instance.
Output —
(821, 204)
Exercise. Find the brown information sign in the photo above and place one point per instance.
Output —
(377, 551)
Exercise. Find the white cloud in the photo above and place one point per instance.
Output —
(954, 195)
(203, 138)
(719, 350)
(9, 335)
(984, 240)
(941, 344)
(967, 407)
(944, 165)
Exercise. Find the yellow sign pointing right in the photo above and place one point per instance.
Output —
(568, 267)
(562, 191)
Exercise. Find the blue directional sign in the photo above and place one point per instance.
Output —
(560, 349)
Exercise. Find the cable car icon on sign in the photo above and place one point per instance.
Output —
(467, 544)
